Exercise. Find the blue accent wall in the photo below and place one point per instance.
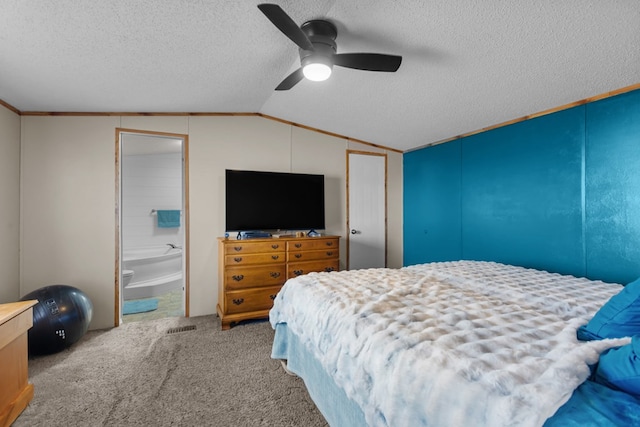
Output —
(431, 229)
(521, 193)
(559, 192)
(612, 226)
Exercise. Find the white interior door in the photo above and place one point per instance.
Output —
(367, 194)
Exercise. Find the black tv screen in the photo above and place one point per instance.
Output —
(257, 201)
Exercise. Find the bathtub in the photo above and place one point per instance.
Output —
(156, 271)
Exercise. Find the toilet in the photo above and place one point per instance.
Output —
(127, 275)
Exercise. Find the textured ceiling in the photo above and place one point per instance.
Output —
(467, 64)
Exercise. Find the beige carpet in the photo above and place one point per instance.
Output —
(140, 375)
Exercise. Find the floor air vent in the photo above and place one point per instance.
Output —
(181, 329)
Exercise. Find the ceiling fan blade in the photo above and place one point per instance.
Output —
(291, 80)
(289, 28)
(368, 61)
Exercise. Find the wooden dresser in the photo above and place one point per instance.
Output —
(251, 272)
(15, 390)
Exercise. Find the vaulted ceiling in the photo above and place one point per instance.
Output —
(466, 64)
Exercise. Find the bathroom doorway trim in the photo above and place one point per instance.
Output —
(185, 251)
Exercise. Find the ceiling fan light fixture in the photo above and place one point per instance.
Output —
(316, 40)
(316, 68)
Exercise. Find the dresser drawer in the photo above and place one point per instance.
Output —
(311, 243)
(299, 268)
(251, 272)
(295, 256)
(250, 300)
(244, 247)
(248, 259)
(249, 277)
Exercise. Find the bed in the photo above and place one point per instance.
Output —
(461, 343)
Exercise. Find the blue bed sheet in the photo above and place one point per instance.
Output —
(331, 400)
(594, 404)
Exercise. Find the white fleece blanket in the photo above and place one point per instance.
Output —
(448, 344)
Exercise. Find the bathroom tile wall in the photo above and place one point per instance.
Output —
(150, 181)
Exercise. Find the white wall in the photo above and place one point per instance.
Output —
(9, 205)
(394, 210)
(314, 152)
(150, 181)
(68, 208)
(69, 194)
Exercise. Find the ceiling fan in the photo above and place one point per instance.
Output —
(316, 40)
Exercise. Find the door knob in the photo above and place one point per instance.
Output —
(354, 231)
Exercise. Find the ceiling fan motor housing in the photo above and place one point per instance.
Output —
(322, 35)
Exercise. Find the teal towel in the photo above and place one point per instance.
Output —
(168, 218)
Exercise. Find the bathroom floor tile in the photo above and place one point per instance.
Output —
(169, 305)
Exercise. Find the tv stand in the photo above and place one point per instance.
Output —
(251, 272)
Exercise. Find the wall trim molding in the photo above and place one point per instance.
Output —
(183, 114)
(10, 107)
(336, 135)
(534, 115)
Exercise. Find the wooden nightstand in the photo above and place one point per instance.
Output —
(15, 390)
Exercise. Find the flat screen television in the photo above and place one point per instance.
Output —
(263, 201)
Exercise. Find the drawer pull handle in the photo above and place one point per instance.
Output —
(329, 269)
(272, 296)
(237, 248)
(238, 277)
(298, 245)
(329, 253)
(238, 259)
(329, 243)
(274, 274)
(298, 255)
(238, 301)
(275, 246)
(297, 272)
(275, 256)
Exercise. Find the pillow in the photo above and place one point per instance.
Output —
(619, 368)
(619, 317)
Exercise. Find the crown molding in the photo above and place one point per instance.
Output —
(534, 115)
(10, 107)
(347, 138)
(167, 114)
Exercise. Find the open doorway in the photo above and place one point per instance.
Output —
(152, 225)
